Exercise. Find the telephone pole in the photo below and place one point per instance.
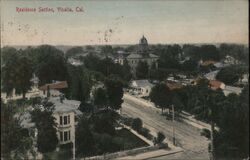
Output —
(173, 124)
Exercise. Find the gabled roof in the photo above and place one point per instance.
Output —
(141, 83)
(56, 85)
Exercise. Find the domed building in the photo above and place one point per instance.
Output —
(141, 54)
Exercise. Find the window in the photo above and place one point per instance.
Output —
(66, 136)
(65, 118)
(61, 136)
(60, 120)
(69, 135)
(68, 119)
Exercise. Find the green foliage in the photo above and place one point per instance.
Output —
(104, 121)
(73, 52)
(239, 52)
(161, 96)
(84, 138)
(114, 88)
(16, 72)
(234, 125)
(137, 124)
(142, 70)
(50, 64)
(45, 123)
(100, 98)
(14, 139)
(209, 52)
(231, 74)
(160, 138)
(80, 83)
(206, 133)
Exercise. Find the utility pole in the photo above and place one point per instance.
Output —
(173, 124)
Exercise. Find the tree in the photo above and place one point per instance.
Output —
(17, 72)
(209, 52)
(142, 70)
(23, 75)
(45, 124)
(84, 138)
(161, 96)
(8, 77)
(15, 142)
(114, 87)
(137, 124)
(160, 138)
(104, 121)
(207, 107)
(80, 82)
(50, 64)
(234, 125)
(73, 52)
(100, 98)
(229, 75)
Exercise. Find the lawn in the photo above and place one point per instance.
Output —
(130, 140)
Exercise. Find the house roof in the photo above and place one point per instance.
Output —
(56, 85)
(232, 89)
(153, 56)
(211, 75)
(141, 83)
(207, 63)
(215, 84)
(174, 85)
(134, 55)
(65, 106)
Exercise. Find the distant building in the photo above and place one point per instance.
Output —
(231, 89)
(142, 87)
(142, 54)
(211, 75)
(215, 84)
(230, 60)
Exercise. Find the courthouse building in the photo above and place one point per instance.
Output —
(141, 54)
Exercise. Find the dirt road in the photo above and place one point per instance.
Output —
(187, 137)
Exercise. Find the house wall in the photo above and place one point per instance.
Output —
(62, 128)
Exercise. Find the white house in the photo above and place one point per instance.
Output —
(142, 87)
(230, 89)
(65, 114)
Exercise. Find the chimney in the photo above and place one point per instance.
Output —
(48, 91)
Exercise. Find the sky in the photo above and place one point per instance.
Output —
(124, 22)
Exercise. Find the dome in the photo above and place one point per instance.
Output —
(143, 40)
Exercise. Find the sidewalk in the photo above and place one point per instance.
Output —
(151, 154)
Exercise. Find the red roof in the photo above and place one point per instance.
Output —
(214, 84)
(56, 85)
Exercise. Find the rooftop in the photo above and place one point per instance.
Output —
(56, 85)
(141, 83)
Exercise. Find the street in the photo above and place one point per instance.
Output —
(187, 137)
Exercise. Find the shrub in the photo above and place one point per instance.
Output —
(145, 133)
(159, 139)
(205, 132)
(137, 124)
